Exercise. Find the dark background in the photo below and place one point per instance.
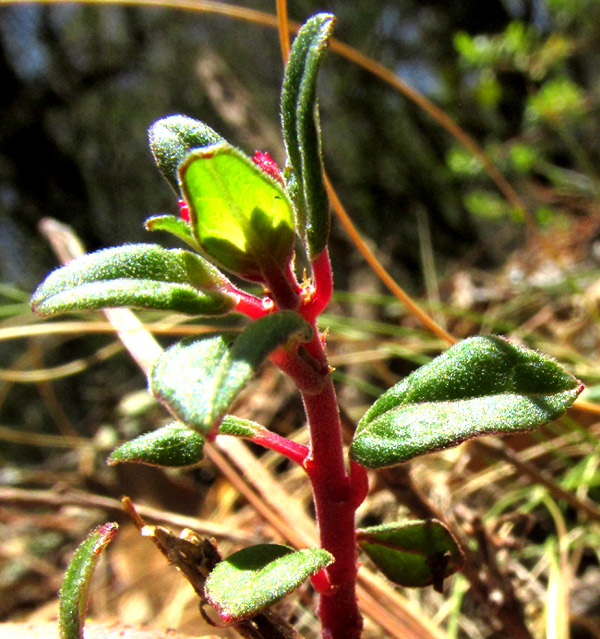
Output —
(81, 85)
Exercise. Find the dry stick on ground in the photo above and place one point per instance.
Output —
(377, 599)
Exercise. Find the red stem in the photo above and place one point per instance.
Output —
(252, 306)
(335, 503)
(322, 287)
(292, 450)
(337, 492)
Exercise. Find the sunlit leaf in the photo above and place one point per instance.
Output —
(239, 215)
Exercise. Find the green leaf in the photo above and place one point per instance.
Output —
(171, 446)
(252, 579)
(75, 588)
(171, 140)
(174, 225)
(240, 216)
(238, 427)
(217, 367)
(301, 130)
(412, 554)
(480, 386)
(138, 275)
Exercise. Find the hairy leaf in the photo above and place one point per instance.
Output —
(75, 587)
(238, 427)
(137, 275)
(240, 216)
(480, 386)
(252, 579)
(302, 132)
(413, 554)
(171, 140)
(217, 367)
(173, 445)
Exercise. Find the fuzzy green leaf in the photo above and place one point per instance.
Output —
(238, 427)
(252, 579)
(174, 225)
(483, 385)
(75, 587)
(171, 140)
(171, 446)
(413, 554)
(137, 275)
(217, 367)
(301, 130)
(240, 216)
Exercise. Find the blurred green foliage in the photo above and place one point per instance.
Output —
(550, 142)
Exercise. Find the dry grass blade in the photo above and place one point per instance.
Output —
(383, 275)
(584, 506)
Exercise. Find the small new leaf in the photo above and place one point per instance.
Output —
(218, 367)
(413, 554)
(171, 446)
(481, 386)
(171, 140)
(75, 587)
(174, 225)
(301, 131)
(240, 216)
(252, 579)
(136, 275)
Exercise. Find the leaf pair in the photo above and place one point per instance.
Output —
(240, 218)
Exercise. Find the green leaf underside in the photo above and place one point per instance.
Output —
(171, 446)
(218, 367)
(483, 385)
(414, 554)
(142, 294)
(171, 140)
(137, 275)
(301, 129)
(174, 225)
(75, 587)
(239, 215)
(252, 579)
